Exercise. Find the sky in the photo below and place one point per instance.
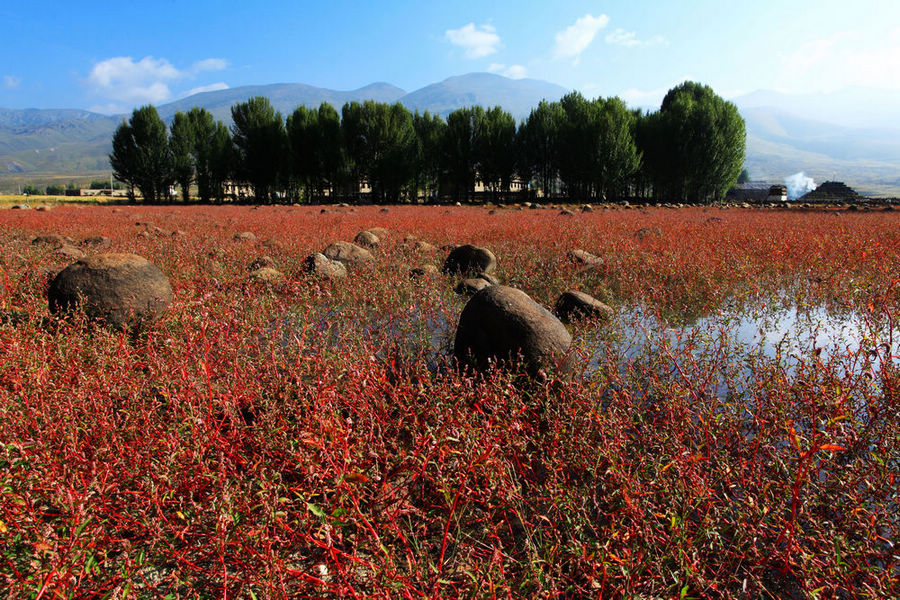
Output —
(112, 56)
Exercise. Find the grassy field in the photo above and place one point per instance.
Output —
(313, 439)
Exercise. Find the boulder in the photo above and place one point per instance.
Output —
(19, 207)
(245, 236)
(381, 232)
(421, 246)
(366, 239)
(323, 267)
(120, 289)
(347, 253)
(566, 213)
(470, 259)
(53, 240)
(469, 287)
(581, 257)
(503, 324)
(97, 241)
(267, 275)
(69, 252)
(261, 262)
(574, 305)
(43, 208)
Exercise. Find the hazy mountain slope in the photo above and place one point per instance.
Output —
(285, 97)
(518, 96)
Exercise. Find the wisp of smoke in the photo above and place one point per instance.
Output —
(799, 184)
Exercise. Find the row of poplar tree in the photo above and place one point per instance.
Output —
(691, 149)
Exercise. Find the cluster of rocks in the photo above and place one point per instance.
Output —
(499, 325)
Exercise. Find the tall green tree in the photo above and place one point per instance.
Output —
(181, 142)
(381, 145)
(539, 145)
(430, 132)
(260, 142)
(695, 144)
(211, 154)
(495, 150)
(460, 154)
(579, 136)
(141, 156)
(618, 157)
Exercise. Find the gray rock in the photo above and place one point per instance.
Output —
(503, 324)
(347, 253)
(119, 289)
(366, 239)
(469, 259)
(574, 305)
(323, 267)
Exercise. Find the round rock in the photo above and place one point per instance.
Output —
(574, 305)
(501, 323)
(470, 259)
(347, 253)
(120, 289)
(323, 267)
(366, 239)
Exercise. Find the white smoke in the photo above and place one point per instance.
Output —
(799, 184)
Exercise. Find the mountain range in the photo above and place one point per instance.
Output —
(852, 135)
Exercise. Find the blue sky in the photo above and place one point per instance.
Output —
(112, 56)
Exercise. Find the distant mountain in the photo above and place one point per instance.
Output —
(285, 97)
(518, 96)
(854, 107)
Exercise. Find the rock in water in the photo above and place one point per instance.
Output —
(323, 267)
(575, 305)
(367, 239)
(470, 259)
(120, 289)
(347, 253)
(502, 323)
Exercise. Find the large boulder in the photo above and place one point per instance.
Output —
(323, 267)
(574, 305)
(469, 259)
(503, 324)
(347, 253)
(366, 239)
(120, 289)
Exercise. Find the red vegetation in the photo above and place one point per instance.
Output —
(307, 438)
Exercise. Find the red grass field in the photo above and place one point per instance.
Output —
(312, 440)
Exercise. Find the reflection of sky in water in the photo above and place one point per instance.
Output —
(789, 337)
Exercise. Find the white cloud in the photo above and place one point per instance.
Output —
(629, 39)
(126, 82)
(847, 58)
(513, 71)
(478, 41)
(636, 98)
(206, 88)
(516, 72)
(575, 39)
(11, 81)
